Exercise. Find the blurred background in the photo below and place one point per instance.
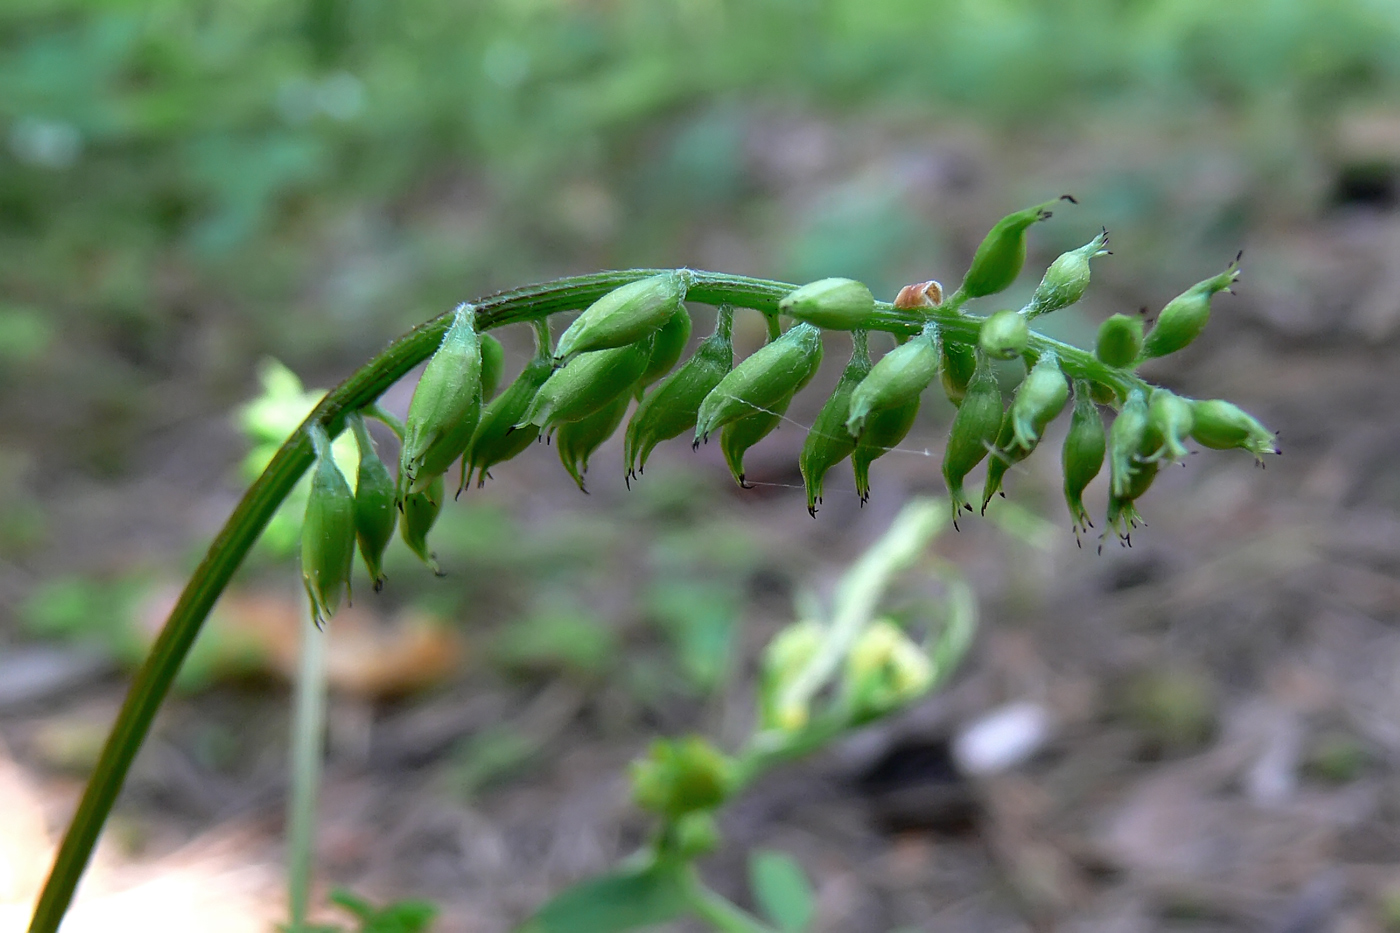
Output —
(203, 204)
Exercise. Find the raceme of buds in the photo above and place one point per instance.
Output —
(884, 671)
(773, 373)
(899, 377)
(1220, 425)
(375, 513)
(1125, 443)
(1004, 335)
(957, 363)
(828, 442)
(884, 429)
(420, 513)
(1186, 315)
(736, 437)
(681, 776)
(497, 439)
(1067, 278)
(833, 304)
(1040, 398)
(1119, 341)
(493, 363)
(587, 383)
(790, 651)
(445, 408)
(667, 347)
(999, 258)
(576, 440)
(1081, 458)
(671, 408)
(327, 533)
(624, 315)
(974, 431)
(1169, 420)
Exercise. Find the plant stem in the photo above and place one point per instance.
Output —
(308, 727)
(717, 910)
(152, 682)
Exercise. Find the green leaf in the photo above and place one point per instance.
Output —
(781, 888)
(611, 903)
(409, 916)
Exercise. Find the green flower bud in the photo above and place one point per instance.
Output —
(667, 347)
(899, 377)
(497, 439)
(831, 304)
(736, 437)
(327, 533)
(1120, 341)
(1067, 278)
(674, 405)
(975, 428)
(681, 776)
(1005, 454)
(999, 258)
(1221, 426)
(1125, 443)
(1004, 335)
(884, 429)
(493, 364)
(884, 671)
(1040, 398)
(587, 383)
(1123, 515)
(1185, 316)
(828, 442)
(758, 384)
(790, 651)
(576, 440)
(1169, 421)
(624, 315)
(420, 513)
(445, 408)
(1082, 456)
(957, 364)
(375, 514)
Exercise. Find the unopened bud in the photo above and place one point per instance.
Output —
(1125, 443)
(445, 408)
(1119, 341)
(884, 429)
(957, 363)
(831, 304)
(497, 438)
(375, 514)
(420, 513)
(681, 776)
(828, 442)
(1004, 335)
(1067, 278)
(974, 431)
(1081, 457)
(577, 440)
(588, 382)
(1039, 400)
(624, 315)
(1186, 315)
(773, 373)
(327, 533)
(897, 379)
(999, 258)
(1169, 420)
(1220, 425)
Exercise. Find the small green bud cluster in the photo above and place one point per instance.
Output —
(681, 776)
(628, 344)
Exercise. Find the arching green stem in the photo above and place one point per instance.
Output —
(531, 303)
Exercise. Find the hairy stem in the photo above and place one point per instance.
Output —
(152, 682)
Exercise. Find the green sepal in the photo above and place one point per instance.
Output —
(420, 513)
(586, 383)
(884, 429)
(1039, 399)
(624, 315)
(1001, 254)
(1169, 422)
(667, 346)
(1221, 425)
(493, 365)
(1125, 444)
(576, 440)
(1081, 458)
(1186, 315)
(445, 408)
(775, 371)
(957, 363)
(831, 304)
(896, 380)
(829, 442)
(1065, 282)
(974, 431)
(497, 438)
(375, 512)
(672, 407)
(1004, 335)
(736, 437)
(1119, 341)
(327, 533)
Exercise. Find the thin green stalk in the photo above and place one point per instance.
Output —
(308, 729)
(719, 911)
(152, 682)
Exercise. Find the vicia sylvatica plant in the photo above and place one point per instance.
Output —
(627, 344)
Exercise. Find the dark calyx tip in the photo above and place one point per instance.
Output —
(1069, 197)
